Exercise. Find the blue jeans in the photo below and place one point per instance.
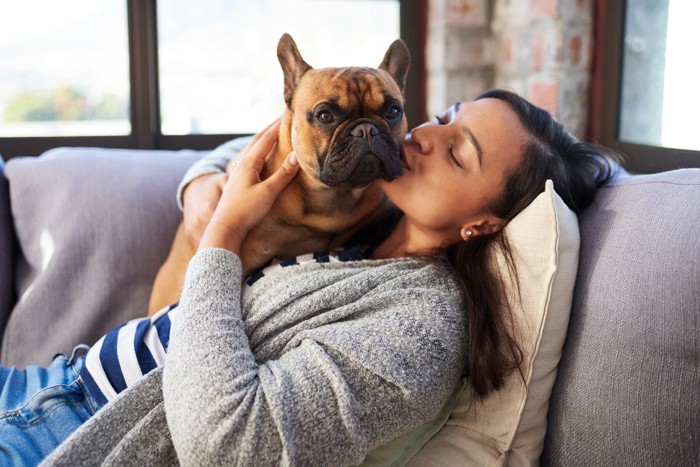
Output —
(41, 407)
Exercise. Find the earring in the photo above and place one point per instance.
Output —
(467, 234)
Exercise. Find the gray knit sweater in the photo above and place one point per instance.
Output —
(315, 365)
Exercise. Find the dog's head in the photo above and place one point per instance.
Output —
(347, 123)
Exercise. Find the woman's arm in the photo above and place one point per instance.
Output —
(213, 163)
(200, 190)
(387, 360)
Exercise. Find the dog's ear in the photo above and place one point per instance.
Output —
(293, 66)
(396, 62)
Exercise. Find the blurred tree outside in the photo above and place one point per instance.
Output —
(63, 103)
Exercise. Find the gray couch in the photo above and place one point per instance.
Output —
(83, 231)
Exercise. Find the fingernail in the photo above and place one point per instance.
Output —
(293, 158)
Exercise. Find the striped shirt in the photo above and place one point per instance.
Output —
(126, 353)
(351, 254)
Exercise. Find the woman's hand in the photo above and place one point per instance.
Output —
(246, 199)
(199, 200)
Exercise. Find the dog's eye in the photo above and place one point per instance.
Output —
(325, 117)
(393, 113)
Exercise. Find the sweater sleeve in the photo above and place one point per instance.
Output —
(213, 163)
(320, 402)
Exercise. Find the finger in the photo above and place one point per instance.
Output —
(267, 140)
(284, 174)
(251, 167)
(221, 182)
(261, 150)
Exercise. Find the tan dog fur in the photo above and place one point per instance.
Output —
(310, 215)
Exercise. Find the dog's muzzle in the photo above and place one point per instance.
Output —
(362, 153)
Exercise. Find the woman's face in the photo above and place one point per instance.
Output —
(454, 167)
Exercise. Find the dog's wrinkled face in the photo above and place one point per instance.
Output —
(348, 125)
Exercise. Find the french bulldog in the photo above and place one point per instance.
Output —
(346, 126)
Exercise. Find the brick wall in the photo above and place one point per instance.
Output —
(539, 48)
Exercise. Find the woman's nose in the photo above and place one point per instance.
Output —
(421, 137)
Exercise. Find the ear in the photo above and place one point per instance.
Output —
(293, 66)
(485, 226)
(396, 62)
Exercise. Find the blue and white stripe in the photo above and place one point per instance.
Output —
(125, 354)
(350, 254)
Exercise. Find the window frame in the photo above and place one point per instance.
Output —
(144, 99)
(606, 98)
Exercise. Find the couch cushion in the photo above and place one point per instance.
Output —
(93, 226)
(508, 427)
(627, 391)
(6, 252)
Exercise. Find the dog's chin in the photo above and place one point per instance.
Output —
(362, 171)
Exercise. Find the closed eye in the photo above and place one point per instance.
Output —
(452, 156)
(439, 120)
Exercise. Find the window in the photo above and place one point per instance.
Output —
(61, 78)
(218, 69)
(647, 86)
(175, 73)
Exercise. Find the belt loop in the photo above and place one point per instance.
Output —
(76, 350)
(56, 355)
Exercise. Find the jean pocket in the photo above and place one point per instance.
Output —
(48, 401)
(31, 432)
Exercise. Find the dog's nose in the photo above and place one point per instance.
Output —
(365, 130)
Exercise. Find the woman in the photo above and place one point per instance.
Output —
(317, 363)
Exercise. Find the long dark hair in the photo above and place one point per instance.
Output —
(577, 169)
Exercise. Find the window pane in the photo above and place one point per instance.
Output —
(660, 94)
(218, 64)
(64, 68)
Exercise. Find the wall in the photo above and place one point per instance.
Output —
(540, 49)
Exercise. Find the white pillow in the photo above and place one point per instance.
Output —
(509, 426)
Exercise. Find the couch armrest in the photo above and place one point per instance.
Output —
(626, 392)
